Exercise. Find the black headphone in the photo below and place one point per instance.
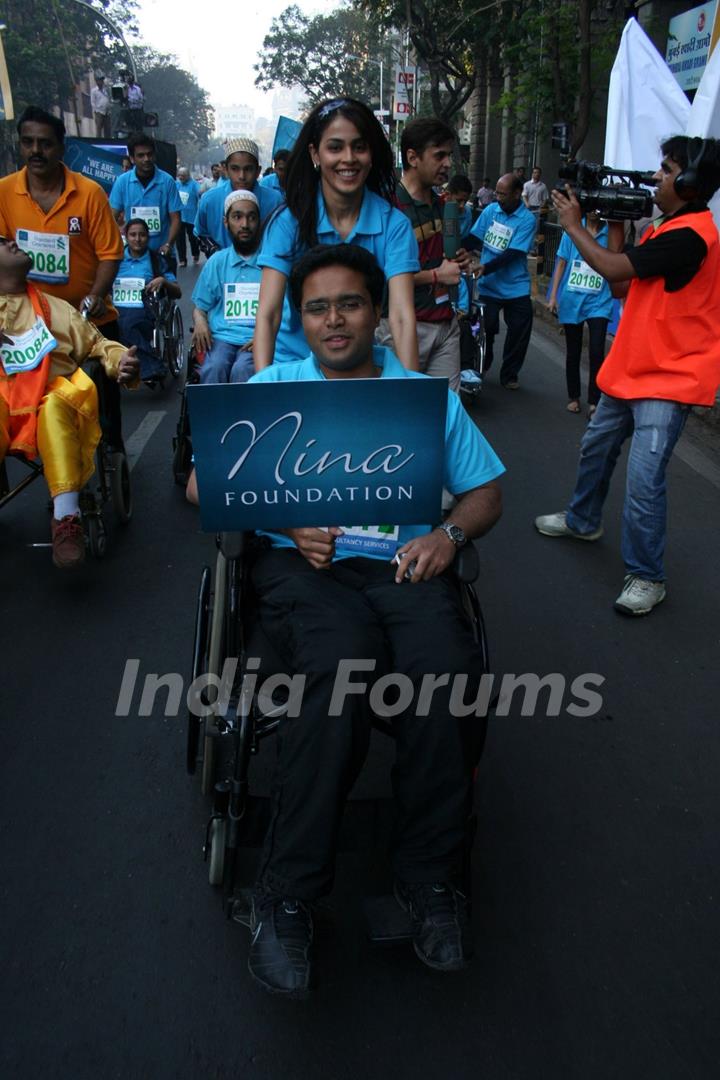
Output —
(687, 182)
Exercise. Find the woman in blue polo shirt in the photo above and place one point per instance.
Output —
(141, 271)
(339, 187)
(585, 297)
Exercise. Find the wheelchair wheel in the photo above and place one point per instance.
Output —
(174, 344)
(182, 461)
(96, 535)
(216, 656)
(199, 666)
(120, 486)
(216, 860)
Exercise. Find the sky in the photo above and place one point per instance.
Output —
(219, 41)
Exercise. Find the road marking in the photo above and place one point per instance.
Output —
(695, 458)
(142, 435)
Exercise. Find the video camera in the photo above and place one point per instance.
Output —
(616, 194)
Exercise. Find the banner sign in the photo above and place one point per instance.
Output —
(286, 133)
(402, 97)
(688, 45)
(101, 160)
(332, 452)
(102, 164)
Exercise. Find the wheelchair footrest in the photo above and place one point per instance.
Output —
(385, 921)
(241, 904)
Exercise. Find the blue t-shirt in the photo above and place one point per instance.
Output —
(153, 202)
(189, 193)
(502, 232)
(465, 221)
(470, 461)
(272, 181)
(210, 220)
(583, 293)
(142, 267)
(380, 228)
(231, 311)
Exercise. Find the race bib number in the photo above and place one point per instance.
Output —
(27, 350)
(150, 215)
(498, 236)
(50, 254)
(241, 302)
(369, 540)
(583, 278)
(184, 197)
(128, 292)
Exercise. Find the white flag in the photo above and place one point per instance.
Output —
(704, 120)
(645, 103)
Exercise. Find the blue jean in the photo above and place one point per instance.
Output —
(226, 363)
(654, 427)
(136, 328)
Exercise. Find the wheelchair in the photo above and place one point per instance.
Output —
(168, 338)
(182, 443)
(226, 626)
(110, 483)
(472, 345)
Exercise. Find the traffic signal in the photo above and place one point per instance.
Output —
(561, 137)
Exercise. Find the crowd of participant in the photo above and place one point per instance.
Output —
(333, 267)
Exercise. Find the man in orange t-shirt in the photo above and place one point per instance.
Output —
(665, 359)
(63, 220)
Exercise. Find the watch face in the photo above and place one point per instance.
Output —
(455, 533)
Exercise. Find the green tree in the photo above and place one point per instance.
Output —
(50, 45)
(183, 107)
(442, 36)
(327, 55)
(558, 56)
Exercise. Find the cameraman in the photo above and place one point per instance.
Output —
(665, 358)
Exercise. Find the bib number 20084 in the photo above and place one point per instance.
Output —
(50, 255)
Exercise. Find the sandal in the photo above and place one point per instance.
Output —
(591, 411)
(573, 406)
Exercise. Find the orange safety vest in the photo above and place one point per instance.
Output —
(24, 392)
(668, 343)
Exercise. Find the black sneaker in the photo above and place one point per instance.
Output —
(439, 923)
(282, 934)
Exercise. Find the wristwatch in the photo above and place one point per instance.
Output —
(454, 533)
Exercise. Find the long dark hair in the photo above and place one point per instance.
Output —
(302, 179)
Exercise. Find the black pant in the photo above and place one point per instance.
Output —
(518, 315)
(355, 611)
(187, 230)
(596, 354)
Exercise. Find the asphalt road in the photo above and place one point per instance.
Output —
(596, 869)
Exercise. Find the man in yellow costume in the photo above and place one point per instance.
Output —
(48, 405)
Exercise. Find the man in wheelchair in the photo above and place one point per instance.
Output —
(144, 279)
(48, 405)
(226, 296)
(321, 605)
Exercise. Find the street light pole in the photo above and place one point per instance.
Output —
(115, 29)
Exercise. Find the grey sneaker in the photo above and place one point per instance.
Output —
(556, 525)
(638, 596)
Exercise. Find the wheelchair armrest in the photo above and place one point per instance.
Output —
(466, 565)
(232, 544)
